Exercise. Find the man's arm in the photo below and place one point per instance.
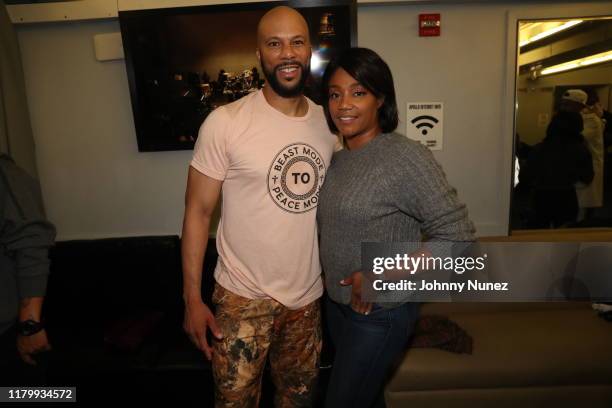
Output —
(28, 346)
(200, 200)
(30, 308)
(25, 233)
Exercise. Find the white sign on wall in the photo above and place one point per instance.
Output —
(425, 122)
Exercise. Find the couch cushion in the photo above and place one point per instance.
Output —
(539, 348)
(448, 308)
(572, 396)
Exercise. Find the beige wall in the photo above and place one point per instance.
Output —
(96, 184)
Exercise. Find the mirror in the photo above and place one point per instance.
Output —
(563, 125)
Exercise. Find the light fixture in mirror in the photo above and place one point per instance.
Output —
(532, 32)
(579, 63)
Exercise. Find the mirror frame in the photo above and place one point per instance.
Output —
(510, 99)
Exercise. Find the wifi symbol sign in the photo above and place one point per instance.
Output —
(424, 122)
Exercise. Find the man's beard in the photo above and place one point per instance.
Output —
(281, 89)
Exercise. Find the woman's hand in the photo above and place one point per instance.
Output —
(355, 280)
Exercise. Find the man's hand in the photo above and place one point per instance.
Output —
(27, 346)
(357, 304)
(198, 318)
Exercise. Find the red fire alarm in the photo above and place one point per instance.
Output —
(429, 25)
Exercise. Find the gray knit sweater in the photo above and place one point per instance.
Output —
(25, 237)
(390, 190)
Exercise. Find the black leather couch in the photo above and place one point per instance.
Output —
(114, 315)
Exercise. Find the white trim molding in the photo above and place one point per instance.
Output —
(62, 11)
(127, 5)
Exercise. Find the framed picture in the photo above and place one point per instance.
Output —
(183, 63)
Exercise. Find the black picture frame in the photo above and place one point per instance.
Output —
(169, 104)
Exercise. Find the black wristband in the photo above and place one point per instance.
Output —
(29, 327)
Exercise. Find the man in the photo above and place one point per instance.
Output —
(573, 100)
(268, 152)
(25, 237)
(577, 100)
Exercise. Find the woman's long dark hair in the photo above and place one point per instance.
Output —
(374, 74)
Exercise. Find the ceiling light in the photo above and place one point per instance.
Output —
(578, 63)
(553, 30)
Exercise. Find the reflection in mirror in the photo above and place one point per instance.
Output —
(563, 125)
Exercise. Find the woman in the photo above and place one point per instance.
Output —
(382, 187)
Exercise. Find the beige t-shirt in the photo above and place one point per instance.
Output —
(272, 166)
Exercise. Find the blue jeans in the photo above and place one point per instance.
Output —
(367, 349)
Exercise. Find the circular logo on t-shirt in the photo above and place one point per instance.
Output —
(295, 177)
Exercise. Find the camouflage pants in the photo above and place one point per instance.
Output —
(254, 329)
